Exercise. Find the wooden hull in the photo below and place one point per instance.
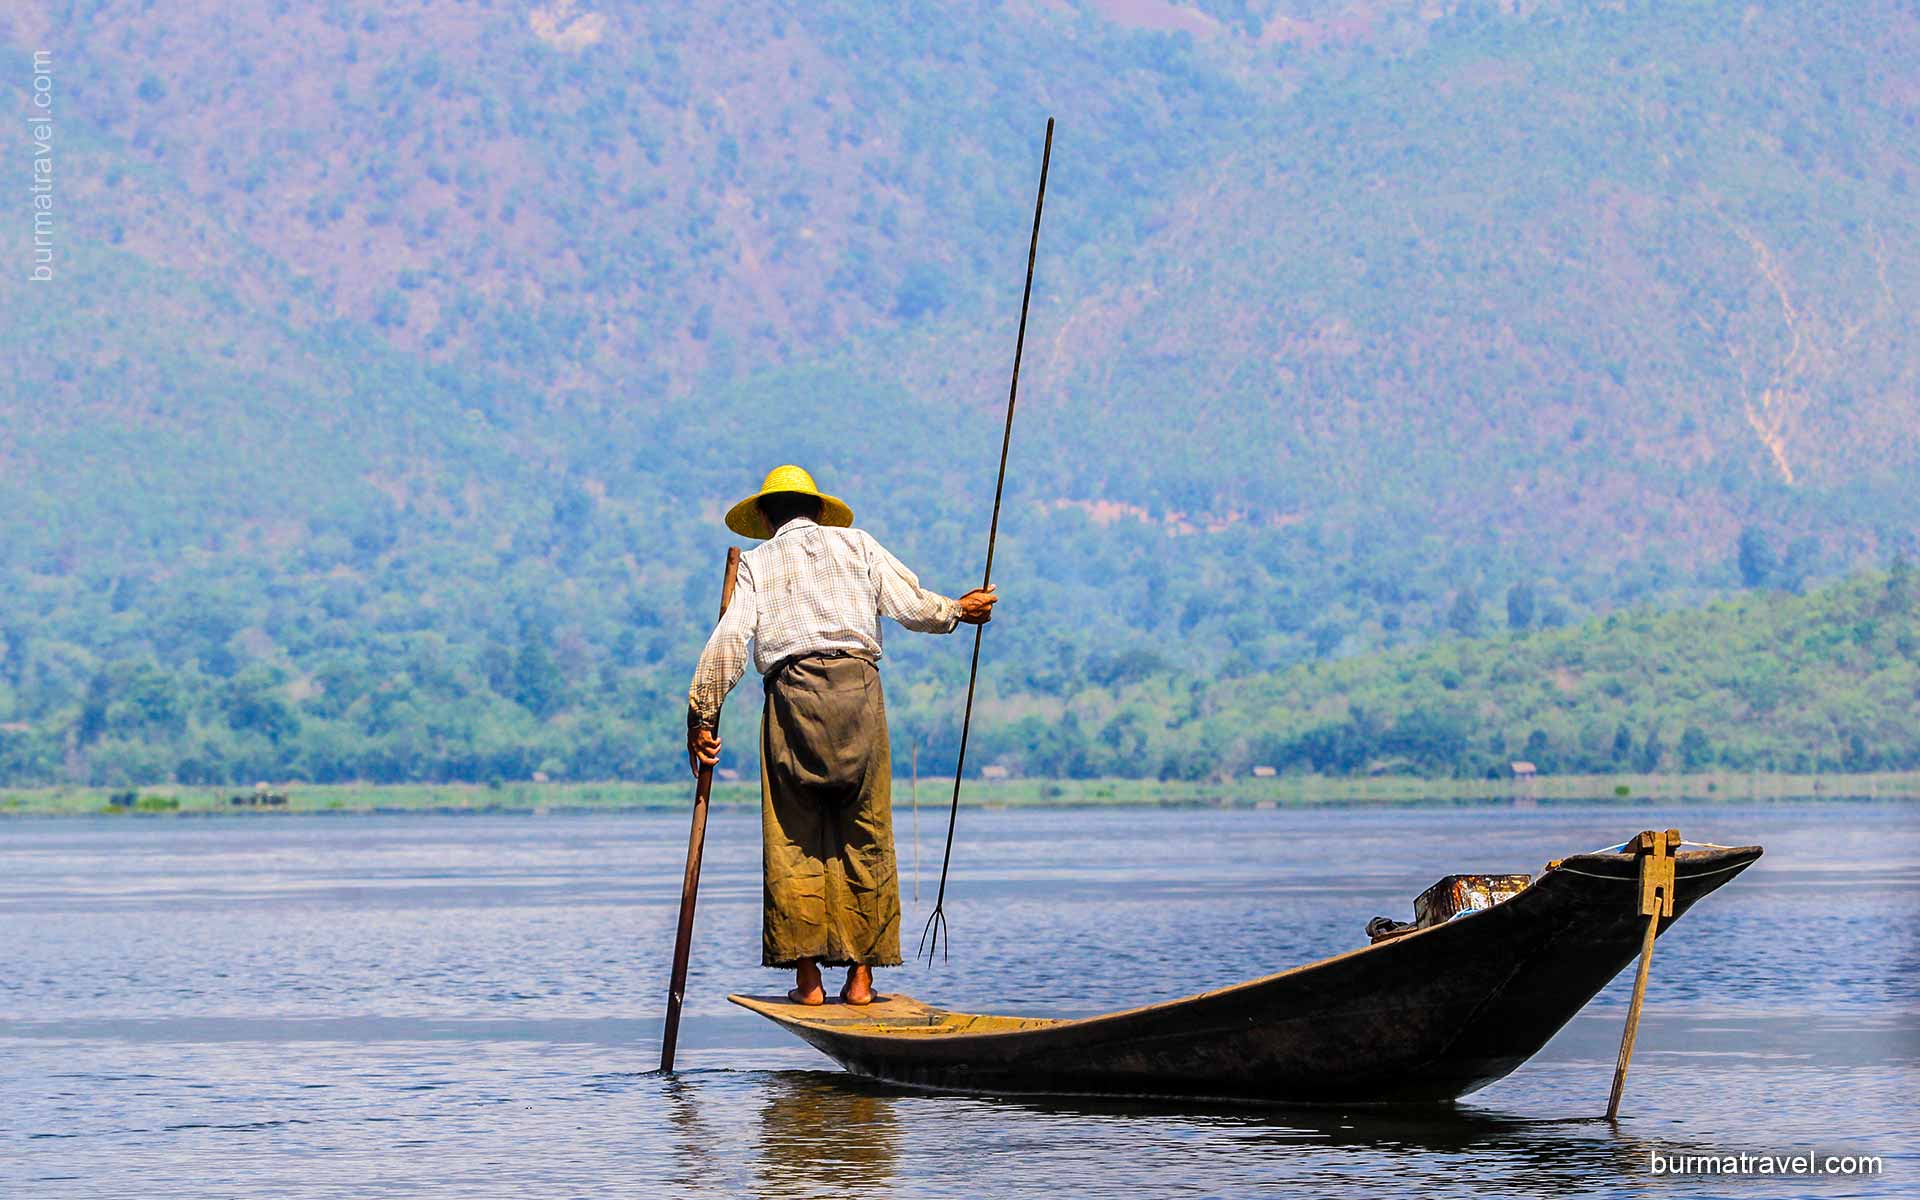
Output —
(1426, 1017)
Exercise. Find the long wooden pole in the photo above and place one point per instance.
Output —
(1633, 1018)
(937, 923)
(1657, 879)
(690, 883)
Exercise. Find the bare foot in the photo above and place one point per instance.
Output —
(859, 987)
(807, 988)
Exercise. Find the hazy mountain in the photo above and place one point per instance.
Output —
(398, 364)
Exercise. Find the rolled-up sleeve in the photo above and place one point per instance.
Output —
(725, 658)
(898, 594)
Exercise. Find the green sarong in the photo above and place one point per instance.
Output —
(826, 816)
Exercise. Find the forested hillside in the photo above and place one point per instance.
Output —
(1829, 681)
(400, 360)
(1769, 681)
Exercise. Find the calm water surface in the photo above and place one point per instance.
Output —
(469, 1006)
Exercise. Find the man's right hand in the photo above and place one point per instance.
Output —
(976, 607)
(703, 747)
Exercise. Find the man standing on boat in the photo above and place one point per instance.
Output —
(809, 601)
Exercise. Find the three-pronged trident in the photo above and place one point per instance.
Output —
(930, 937)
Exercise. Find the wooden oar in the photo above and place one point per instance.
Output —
(690, 884)
(1656, 901)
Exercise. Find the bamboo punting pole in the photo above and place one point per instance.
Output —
(690, 883)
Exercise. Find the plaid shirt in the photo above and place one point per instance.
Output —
(808, 590)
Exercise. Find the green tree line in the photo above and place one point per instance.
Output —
(1769, 680)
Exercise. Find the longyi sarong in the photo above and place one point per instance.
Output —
(826, 816)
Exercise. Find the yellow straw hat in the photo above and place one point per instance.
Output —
(746, 519)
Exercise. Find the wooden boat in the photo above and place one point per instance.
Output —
(1425, 1017)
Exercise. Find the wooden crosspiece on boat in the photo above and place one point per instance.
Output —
(1655, 851)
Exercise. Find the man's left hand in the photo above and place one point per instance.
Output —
(976, 607)
(703, 747)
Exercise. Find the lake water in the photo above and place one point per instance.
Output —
(469, 1006)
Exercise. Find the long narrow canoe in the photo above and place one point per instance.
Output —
(1425, 1017)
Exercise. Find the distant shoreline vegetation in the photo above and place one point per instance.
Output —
(1762, 682)
(1278, 792)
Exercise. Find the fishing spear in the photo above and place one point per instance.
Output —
(937, 923)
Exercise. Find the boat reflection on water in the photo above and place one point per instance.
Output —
(1554, 1156)
(812, 1131)
(808, 1131)
(822, 1129)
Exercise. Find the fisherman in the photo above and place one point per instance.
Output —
(809, 601)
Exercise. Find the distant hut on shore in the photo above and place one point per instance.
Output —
(264, 795)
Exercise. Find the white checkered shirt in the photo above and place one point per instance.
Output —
(808, 590)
